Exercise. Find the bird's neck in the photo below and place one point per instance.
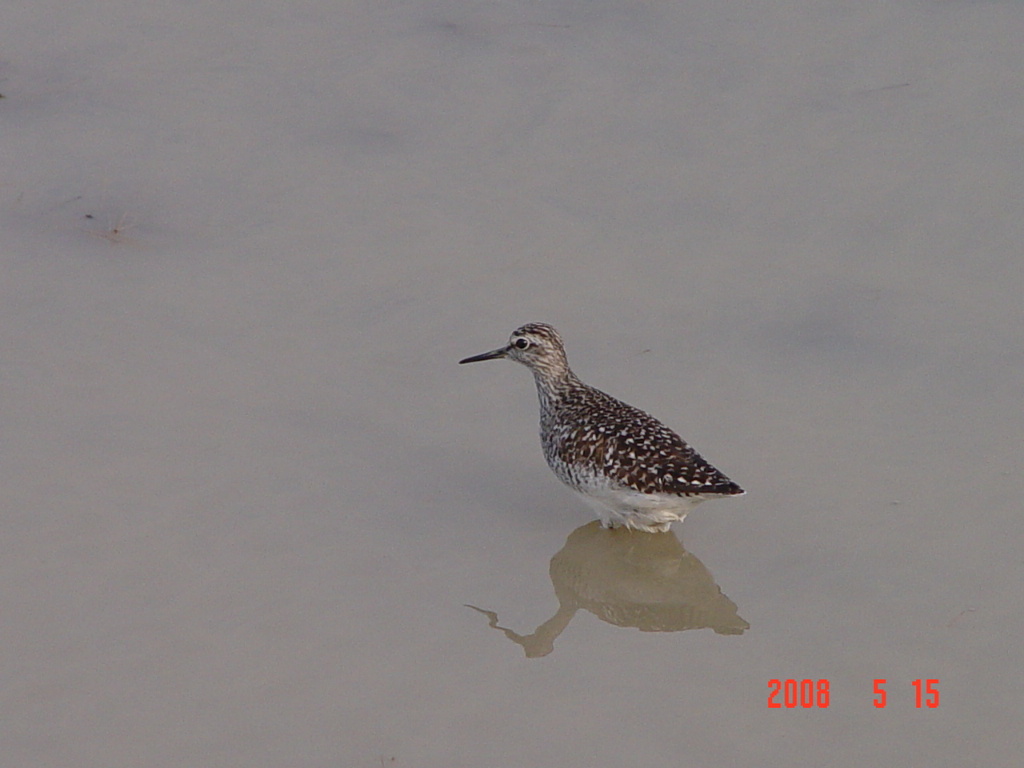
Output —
(553, 386)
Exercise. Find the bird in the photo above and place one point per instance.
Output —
(631, 469)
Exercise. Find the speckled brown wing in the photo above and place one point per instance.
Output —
(639, 452)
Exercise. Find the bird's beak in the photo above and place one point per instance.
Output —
(494, 354)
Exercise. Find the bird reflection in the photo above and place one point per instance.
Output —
(630, 579)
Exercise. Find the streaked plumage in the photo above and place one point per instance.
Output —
(629, 466)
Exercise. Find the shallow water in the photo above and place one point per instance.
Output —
(250, 493)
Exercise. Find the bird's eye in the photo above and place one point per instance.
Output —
(522, 343)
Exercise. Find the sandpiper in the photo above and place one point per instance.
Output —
(632, 469)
